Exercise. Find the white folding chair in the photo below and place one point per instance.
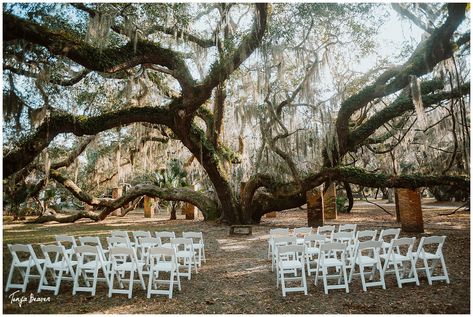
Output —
(348, 227)
(198, 244)
(300, 233)
(145, 244)
(163, 259)
(400, 254)
(312, 251)
(347, 238)
(165, 237)
(116, 241)
(430, 249)
(24, 260)
(326, 231)
(366, 235)
(95, 241)
(136, 240)
(332, 255)
(68, 242)
(124, 261)
(185, 253)
(122, 234)
(386, 236)
(279, 241)
(58, 263)
(367, 255)
(89, 261)
(290, 259)
(273, 233)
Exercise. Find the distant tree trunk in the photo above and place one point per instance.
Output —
(173, 211)
(349, 196)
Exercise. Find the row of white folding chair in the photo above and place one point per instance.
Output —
(165, 240)
(368, 253)
(57, 264)
(403, 259)
(291, 257)
(123, 262)
(145, 242)
(301, 232)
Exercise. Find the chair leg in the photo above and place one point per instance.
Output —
(58, 282)
(444, 269)
(316, 273)
(10, 276)
(324, 276)
(76, 281)
(150, 283)
(25, 279)
(283, 283)
(344, 269)
(94, 282)
(110, 287)
(41, 279)
(171, 284)
(413, 269)
(362, 275)
(304, 281)
(398, 278)
(381, 275)
(130, 286)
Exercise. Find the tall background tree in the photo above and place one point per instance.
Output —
(268, 95)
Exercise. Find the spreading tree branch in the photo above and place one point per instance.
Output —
(58, 123)
(428, 53)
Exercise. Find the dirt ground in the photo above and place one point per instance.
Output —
(237, 276)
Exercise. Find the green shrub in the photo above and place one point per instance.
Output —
(341, 200)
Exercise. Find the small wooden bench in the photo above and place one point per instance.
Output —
(241, 230)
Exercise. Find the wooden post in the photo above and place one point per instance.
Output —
(148, 207)
(410, 210)
(116, 193)
(330, 202)
(315, 209)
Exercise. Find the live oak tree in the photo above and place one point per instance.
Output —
(149, 80)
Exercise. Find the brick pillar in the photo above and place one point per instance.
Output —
(330, 203)
(148, 206)
(116, 193)
(315, 209)
(410, 210)
(189, 211)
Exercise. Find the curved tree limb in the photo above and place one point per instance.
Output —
(428, 53)
(397, 108)
(207, 205)
(57, 81)
(67, 219)
(78, 125)
(107, 60)
(277, 196)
